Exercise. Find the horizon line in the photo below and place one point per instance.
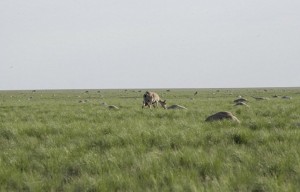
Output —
(149, 88)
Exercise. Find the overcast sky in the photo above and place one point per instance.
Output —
(83, 44)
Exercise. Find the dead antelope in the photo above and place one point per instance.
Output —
(241, 103)
(176, 107)
(260, 98)
(240, 100)
(221, 116)
(152, 99)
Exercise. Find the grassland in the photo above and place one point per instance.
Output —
(67, 140)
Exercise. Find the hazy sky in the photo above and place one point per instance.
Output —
(82, 44)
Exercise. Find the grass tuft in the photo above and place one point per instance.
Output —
(53, 142)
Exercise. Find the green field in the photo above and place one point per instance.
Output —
(68, 140)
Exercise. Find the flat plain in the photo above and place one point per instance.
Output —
(71, 140)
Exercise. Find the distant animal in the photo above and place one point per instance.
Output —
(260, 98)
(112, 107)
(286, 97)
(240, 100)
(152, 99)
(104, 104)
(196, 93)
(221, 116)
(241, 103)
(176, 107)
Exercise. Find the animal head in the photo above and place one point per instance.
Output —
(163, 103)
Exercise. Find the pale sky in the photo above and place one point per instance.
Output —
(99, 44)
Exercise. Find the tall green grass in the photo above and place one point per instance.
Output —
(51, 141)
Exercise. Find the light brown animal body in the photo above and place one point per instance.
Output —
(221, 116)
(152, 99)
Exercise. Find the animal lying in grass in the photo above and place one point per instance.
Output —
(112, 107)
(241, 103)
(222, 116)
(240, 100)
(176, 107)
(260, 98)
(152, 99)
